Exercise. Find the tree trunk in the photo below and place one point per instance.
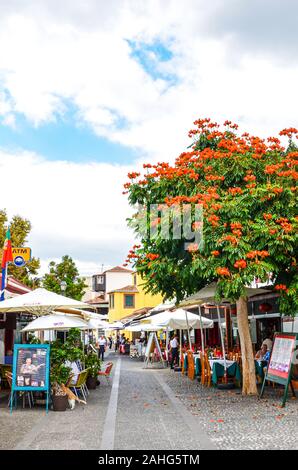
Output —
(249, 386)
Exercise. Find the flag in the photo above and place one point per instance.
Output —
(6, 258)
(7, 251)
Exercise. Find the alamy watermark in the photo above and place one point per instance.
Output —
(174, 222)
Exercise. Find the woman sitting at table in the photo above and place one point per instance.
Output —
(261, 354)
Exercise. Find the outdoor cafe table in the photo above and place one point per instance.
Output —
(217, 367)
(197, 361)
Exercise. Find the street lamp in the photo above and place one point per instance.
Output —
(63, 286)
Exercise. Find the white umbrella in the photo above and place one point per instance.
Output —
(144, 327)
(180, 319)
(117, 325)
(96, 324)
(39, 302)
(56, 322)
(166, 305)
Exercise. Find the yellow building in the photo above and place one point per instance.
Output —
(126, 300)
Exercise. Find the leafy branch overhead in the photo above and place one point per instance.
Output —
(247, 187)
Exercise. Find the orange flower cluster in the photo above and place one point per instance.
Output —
(214, 178)
(255, 253)
(223, 271)
(267, 216)
(249, 178)
(236, 225)
(213, 219)
(215, 253)
(281, 287)
(133, 175)
(285, 224)
(240, 264)
(289, 132)
(152, 256)
(235, 191)
(230, 238)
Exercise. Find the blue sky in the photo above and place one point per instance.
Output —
(66, 137)
(114, 86)
(63, 139)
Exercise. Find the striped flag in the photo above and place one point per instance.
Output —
(6, 258)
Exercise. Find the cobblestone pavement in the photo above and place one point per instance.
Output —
(236, 422)
(156, 409)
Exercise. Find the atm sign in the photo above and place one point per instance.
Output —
(21, 256)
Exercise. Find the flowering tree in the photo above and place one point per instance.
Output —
(247, 188)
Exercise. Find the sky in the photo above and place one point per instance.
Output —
(89, 90)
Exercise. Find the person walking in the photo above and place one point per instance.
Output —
(174, 348)
(102, 346)
(110, 341)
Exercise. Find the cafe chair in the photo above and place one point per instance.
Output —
(79, 386)
(107, 372)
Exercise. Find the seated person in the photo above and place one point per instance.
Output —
(260, 355)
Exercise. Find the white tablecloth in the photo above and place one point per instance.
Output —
(221, 362)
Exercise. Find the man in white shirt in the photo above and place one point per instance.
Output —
(174, 348)
(102, 346)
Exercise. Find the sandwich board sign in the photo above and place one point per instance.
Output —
(281, 361)
(31, 371)
(151, 346)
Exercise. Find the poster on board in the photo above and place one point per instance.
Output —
(31, 370)
(284, 350)
(281, 356)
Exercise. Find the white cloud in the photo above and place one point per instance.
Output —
(54, 53)
(75, 209)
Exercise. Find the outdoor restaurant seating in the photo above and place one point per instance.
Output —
(79, 385)
(107, 372)
(209, 370)
(24, 395)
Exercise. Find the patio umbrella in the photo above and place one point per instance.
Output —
(207, 294)
(144, 327)
(40, 302)
(117, 325)
(56, 322)
(181, 319)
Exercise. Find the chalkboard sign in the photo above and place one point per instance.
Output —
(281, 360)
(31, 366)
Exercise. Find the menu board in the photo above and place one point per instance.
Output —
(31, 367)
(281, 357)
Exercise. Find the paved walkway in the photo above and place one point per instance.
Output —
(154, 409)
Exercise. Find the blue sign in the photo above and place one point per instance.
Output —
(31, 370)
(19, 261)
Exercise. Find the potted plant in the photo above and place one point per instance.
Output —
(93, 363)
(62, 355)
(59, 375)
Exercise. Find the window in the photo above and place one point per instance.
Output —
(129, 301)
(112, 301)
(100, 279)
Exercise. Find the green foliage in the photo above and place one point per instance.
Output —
(20, 229)
(93, 363)
(65, 271)
(247, 188)
(32, 339)
(71, 351)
